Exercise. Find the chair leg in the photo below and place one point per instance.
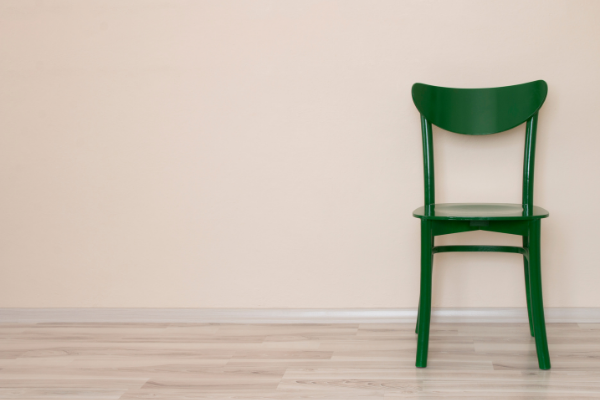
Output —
(537, 304)
(527, 291)
(425, 299)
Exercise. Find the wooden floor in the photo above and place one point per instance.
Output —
(338, 361)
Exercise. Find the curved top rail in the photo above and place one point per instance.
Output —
(479, 111)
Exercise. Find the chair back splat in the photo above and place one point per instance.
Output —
(480, 112)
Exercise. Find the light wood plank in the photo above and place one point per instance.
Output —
(293, 361)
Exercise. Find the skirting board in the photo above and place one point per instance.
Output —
(287, 316)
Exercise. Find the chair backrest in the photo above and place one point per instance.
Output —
(480, 112)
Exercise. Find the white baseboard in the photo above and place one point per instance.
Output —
(262, 316)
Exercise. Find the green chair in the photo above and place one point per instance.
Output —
(482, 112)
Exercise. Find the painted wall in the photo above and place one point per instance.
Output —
(268, 154)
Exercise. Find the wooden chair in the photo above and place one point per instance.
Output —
(482, 112)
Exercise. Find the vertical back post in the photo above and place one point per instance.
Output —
(528, 164)
(428, 171)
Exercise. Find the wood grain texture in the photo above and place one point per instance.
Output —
(293, 361)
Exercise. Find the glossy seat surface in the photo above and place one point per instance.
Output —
(481, 211)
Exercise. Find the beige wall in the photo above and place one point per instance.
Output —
(267, 153)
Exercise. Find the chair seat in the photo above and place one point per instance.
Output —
(480, 211)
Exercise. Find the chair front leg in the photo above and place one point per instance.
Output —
(424, 315)
(527, 291)
(535, 287)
